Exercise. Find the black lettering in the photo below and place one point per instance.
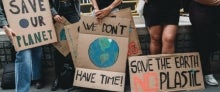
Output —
(177, 62)
(168, 81)
(41, 22)
(158, 63)
(89, 27)
(185, 78)
(133, 67)
(167, 62)
(149, 65)
(34, 21)
(163, 79)
(186, 61)
(177, 79)
(41, 5)
(109, 29)
(113, 80)
(102, 80)
(17, 10)
(33, 4)
(24, 7)
(197, 84)
(78, 73)
(122, 28)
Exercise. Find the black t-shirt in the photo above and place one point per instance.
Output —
(104, 3)
(165, 3)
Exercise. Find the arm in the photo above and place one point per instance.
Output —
(104, 12)
(52, 9)
(114, 4)
(54, 12)
(94, 4)
(3, 23)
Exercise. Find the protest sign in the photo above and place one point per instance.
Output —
(134, 47)
(166, 72)
(32, 22)
(72, 32)
(102, 53)
(61, 45)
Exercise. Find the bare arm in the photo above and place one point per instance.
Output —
(9, 32)
(114, 4)
(94, 4)
(104, 12)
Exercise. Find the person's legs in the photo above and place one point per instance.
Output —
(36, 63)
(36, 66)
(202, 24)
(23, 64)
(59, 62)
(216, 29)
(155, 39)
(168, 39)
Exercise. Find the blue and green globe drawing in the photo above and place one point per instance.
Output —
(103, 52)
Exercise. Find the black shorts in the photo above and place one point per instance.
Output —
(155, 15)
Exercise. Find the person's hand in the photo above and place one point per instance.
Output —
(103, 13)
(97, 12)
(58, 18)
(9, 32)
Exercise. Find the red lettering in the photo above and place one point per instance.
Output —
(149, 83)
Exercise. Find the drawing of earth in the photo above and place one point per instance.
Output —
(103, 52)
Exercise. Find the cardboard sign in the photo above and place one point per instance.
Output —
(72, 32)
(61, 45)
(166, 72)
(102, 53)
(99, 79)
(109, 26)
(31, 20)
(134, 47)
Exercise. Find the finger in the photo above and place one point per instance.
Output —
(57, 19)
(100, 16)
(60, 19)
(13, 34)
(98, 12)
(10, 36)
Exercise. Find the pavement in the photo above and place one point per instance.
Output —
(49, 76)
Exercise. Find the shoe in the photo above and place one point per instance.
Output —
(39, 84)
(210, 80)
(55, 85)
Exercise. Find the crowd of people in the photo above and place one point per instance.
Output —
(161, 18)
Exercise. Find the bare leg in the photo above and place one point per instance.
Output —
(168, 39)
(155, 39)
